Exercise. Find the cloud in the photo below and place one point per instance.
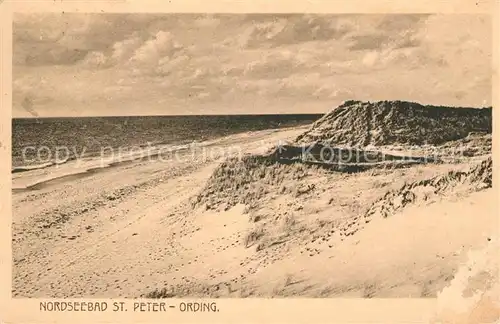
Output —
(260, 33)
(272, 65)
(169, 65)
(56, 56)
(292, 29)
(371, 58)
(208, 21)
(57, 39)
(406, 40)
(159, 46)
(381, 32)
(96, 59)
(383, 59)
(124, 49)
(367, 42)
(140, 54)
(44, 39)
(197, 59)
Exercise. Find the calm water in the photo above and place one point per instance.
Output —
(93, 133)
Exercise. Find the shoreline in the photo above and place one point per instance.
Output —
(89, 164)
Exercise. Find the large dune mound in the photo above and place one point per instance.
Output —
(338, 142)
(357, 123)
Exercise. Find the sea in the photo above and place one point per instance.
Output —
(37, 139)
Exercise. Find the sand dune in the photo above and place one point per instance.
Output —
(269, 224)
(358, 123)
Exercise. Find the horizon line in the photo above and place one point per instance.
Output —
(171, 115)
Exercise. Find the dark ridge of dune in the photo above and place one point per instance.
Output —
(477, 178)
(329, 156)
(359, 124)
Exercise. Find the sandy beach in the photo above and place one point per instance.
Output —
(130, 230)
(128, 218)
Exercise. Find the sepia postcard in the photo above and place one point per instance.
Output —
(249, 161)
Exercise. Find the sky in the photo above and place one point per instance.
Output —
(76, 64)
